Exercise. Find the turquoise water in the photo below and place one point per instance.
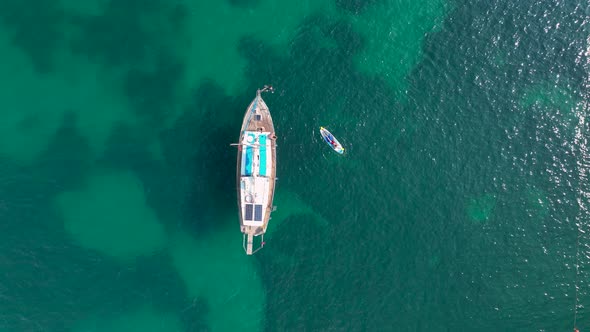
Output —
(457, 205)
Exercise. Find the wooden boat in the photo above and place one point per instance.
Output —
(256, 172)
(331, 140)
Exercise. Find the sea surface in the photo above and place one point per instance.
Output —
(461, 204)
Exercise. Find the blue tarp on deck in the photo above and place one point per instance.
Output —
(262, 141)
(248, 156)
(248, 165)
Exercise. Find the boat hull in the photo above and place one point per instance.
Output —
(256, 171)
(331, 140)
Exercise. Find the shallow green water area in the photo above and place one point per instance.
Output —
(111, 216)
(393, 34)
(457, 204)
(144, 319)
(480, 209)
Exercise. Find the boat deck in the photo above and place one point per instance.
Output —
(256, 171)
